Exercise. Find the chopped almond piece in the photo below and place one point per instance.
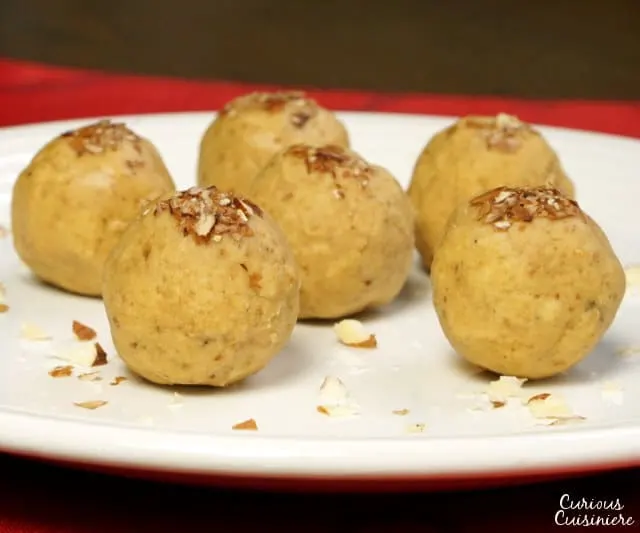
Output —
(4, 308)
(538, 397)
(82, 332)
(33, 333)
(77, 353)
(352, 333)
(628, 351)
(564, 420)
(613, 393)
(91, 404)
(552, 409)
(335, 400)
(117, 380)
(249, 424)
(503, 388)
(61, 371)
(90, 376)
(400, 412)
(101, 356)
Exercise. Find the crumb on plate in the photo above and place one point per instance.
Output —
(100, 356)
(505, 387)
(61, 371)
(91, 404)
(551, 409)
(249, 424)
(32, 332)
(352, 333)
(82, 331)
(628, 351)
(632, 274)
(90, 376)
(335, 400)
(78, 353)
(612, 392)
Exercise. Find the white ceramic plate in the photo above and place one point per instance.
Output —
(152, 429)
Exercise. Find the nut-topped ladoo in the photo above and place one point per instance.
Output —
(524, 282)
(349, 223)
(249, 130)
(73, 201)
(202, 289)
(473, 155)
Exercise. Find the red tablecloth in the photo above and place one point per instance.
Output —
(32, 93)
(39, 499)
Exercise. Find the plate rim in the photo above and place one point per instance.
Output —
(253, 454)
(421, 456)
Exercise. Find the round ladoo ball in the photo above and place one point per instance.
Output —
(474, 155)
(349, 223)
(525, 283)
(252, 128)
(201, 290)
(74, 200)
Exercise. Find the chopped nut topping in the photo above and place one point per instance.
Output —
(117, 380)
(33, 333)
(400, 412)
(505, 206)
(352, 333)
(504, 132)
(4, 308)
(270, 102)
(82, 332)
(91, 404)
(207, 214)
(300, 118)
(249, 424)
(61, 371)
(333, 160)
(90, 376)
(101, 356)
(498, 404)
(101, 136)
(134, 165)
